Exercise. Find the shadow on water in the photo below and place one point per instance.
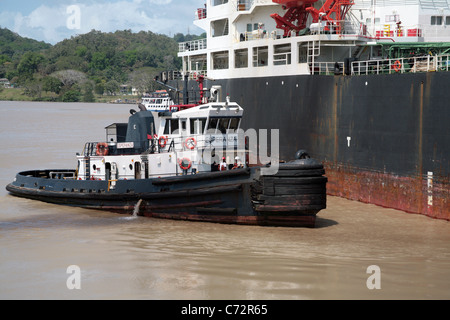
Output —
(324, 223)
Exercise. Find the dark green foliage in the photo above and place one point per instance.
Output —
(71, 96)
(52, 84)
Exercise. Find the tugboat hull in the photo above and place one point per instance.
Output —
(292, 197)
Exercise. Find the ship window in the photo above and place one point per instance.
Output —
(167, 127)
(219, 28)
(234, 125)
(447, 21)
(282, 55)
(260, 56)
(392, 18)
(220, 60)
(249, 27)
(436, 20)
(241, 58)
(174, 126)
(223, 125)
(198, 126)
(212, 125)
(302, 53)
(218, 2)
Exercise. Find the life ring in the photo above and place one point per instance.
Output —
(397, 66)
(162, 141)
(185, 163)
(102, 149)
(190, 143)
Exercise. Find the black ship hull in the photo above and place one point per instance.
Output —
(290, 198)
(384, 139)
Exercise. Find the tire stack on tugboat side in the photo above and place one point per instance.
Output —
(295, 194)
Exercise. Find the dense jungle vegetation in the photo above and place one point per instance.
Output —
(87, 66)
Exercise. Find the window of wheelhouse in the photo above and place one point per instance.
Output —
(234, 125)
(197, 125)
(223, 125)
(212, 125)
(171, 126)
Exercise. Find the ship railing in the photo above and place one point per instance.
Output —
(327, 68)
(344, 28)
(246, 5)
(402, 65)
(187, 142)
(194, 74)
(90, 149)
(193, 45)
(339, 27)
(200, 14)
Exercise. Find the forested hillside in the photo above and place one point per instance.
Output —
(96, 62)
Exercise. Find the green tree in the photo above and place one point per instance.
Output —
(99, 88)
(29, 64)
(99, 61)
(52, 84)
(111, 87)
(88, 95)
(71, 96)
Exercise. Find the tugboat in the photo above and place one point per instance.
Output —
(188, 162)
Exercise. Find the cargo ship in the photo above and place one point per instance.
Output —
(184, 162)
(361, 84)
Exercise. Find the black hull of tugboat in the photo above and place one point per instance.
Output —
(290, 198)
(384, 139)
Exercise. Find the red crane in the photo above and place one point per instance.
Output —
(332, 11)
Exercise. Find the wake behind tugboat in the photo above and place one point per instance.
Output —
(187, 162)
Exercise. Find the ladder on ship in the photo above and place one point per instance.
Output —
(313, 51)
(87, 168)
(225, 28)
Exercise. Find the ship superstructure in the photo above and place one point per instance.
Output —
(248, 38)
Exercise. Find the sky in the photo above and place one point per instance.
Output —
(55, 20)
